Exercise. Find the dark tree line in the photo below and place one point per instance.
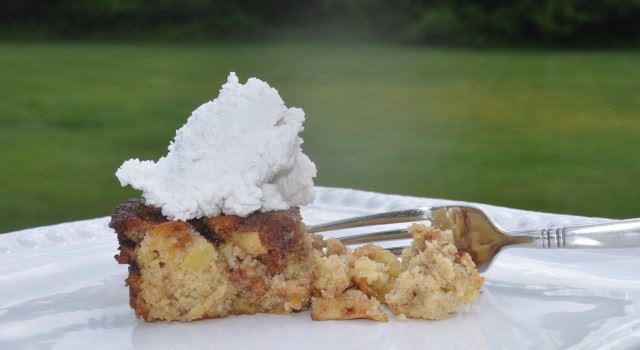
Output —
(548, 22)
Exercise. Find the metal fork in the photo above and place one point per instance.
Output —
(478, 235)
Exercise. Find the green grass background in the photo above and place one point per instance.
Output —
(555, 131)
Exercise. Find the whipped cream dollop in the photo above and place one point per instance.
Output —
(237, 154)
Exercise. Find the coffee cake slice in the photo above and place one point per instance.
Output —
(214, 267)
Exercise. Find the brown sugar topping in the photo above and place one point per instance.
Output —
(206, 231)
(280, 231)
(134, 214)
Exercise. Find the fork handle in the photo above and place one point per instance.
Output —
(617, 234)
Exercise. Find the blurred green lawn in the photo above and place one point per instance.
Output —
(543, 130)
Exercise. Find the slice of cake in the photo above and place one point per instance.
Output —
(184, 271)
(218, 231)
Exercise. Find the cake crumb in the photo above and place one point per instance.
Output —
(352, 304)
(432, 281)
(437, 281)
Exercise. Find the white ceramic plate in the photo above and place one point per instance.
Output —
(60, 288)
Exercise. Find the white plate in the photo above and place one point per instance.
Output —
(60, 288)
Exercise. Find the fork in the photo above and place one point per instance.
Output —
(477, 234)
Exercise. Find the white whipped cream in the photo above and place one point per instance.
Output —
(237, 154)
